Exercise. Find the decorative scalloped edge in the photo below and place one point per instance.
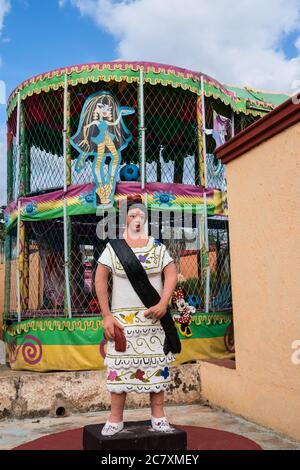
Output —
(52, 325)
(226, 96)
(136, 362)
(145, 389)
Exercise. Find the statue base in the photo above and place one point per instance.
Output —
(136, 435)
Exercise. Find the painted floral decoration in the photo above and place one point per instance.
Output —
(165, 372)
(112, 375)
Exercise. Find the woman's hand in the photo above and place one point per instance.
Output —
(108, 324)
(157, 311)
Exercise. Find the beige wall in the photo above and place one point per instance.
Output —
(264, 217)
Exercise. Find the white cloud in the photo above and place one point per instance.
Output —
(235, 42)
(4, 8)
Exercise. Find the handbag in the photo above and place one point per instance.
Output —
(139, 280)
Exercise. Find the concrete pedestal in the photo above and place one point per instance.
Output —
(136, 435)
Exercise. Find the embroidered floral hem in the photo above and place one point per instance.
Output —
(137, 388)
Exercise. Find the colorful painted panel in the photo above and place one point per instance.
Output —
(80, 200)
(78, 344)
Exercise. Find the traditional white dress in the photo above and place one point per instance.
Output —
(143, 367)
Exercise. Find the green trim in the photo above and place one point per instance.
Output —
(165, 76)
(250, 94)
(88, 331)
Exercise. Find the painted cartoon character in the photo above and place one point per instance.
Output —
(179, 302)
(101, 134)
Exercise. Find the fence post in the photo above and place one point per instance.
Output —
(142, 129)
(206, 267)
(10, 160)
(7, 275)
(200, 140)
(18, 149)
(19, 262)
(67, 219)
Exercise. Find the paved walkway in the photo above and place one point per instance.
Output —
(17, 432)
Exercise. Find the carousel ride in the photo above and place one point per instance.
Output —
(85, 137)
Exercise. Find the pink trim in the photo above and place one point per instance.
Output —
(136, 65)
(122, 189)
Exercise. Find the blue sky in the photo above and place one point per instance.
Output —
(42, 36)
(255, 43)
(39, 35)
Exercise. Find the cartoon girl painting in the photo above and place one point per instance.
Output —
(101, 134)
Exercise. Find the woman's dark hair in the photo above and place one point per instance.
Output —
(132, 202)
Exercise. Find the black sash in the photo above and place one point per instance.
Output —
(138, 278)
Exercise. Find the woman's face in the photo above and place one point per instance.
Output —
(104, 111)
(135, 220)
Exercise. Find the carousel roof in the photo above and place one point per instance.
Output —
(242, 100)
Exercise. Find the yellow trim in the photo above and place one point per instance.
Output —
(64, 357)
(68, 357)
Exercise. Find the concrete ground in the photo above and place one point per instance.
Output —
(17, 432)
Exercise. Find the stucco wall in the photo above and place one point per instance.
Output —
(264, 218)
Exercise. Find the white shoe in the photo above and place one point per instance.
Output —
(161, 424)
(109, 429)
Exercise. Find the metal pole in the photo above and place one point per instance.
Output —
(7, 275)
(207, 277)
(232, 124)
(142, 129)
(66, 246)
(18, 148)
(204, 131)
(207, 283)
(65, 131)
(18, 263)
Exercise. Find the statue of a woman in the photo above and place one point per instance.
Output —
(143, 367)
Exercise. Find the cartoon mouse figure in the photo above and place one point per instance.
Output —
(185, 310)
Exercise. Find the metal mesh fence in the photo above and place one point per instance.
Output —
(219, 263)
(216, 176)
(42, 142)
(185, 246)
(172, 150)
(13, 300)
(241, 121)
(172, 155)
(12, 152)
(86, 249)
(42, 277)
(42, 272)
(171, 135)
